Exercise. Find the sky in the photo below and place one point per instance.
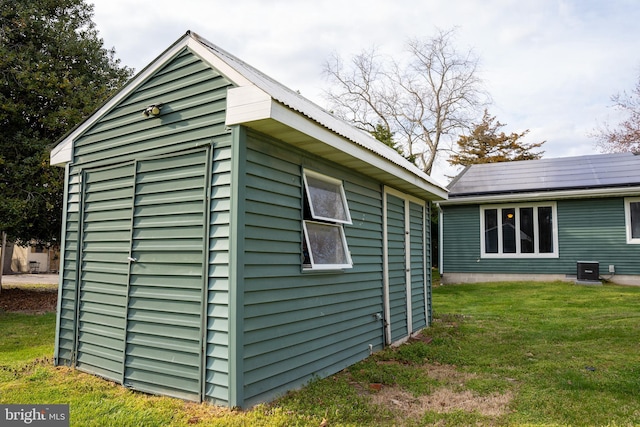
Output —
(550, 66)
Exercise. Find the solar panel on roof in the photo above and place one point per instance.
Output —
(592, 171)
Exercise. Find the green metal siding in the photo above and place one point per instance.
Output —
(107, 208)
(141, 277)
(217, 316)
(461, 238)
(165, 299)
(297, 325)
(418, 263)
(594, 230)
(194, 98)
(429, 262)
(67, 313)
(267, 326)
(588, 230)
(397, 268)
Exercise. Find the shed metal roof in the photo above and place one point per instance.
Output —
(372, 156)
(558, 174)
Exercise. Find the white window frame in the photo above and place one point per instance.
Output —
(518, 254)
(326, 221)
(332, 181)
(345, 248)
(627, 219)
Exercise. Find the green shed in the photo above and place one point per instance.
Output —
(226, 240)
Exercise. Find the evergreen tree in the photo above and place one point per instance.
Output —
(383, 134)
(54, 71)
(486, 144)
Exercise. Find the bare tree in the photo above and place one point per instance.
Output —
(626, 135)
(425, 101)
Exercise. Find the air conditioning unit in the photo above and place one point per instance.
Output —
(588, 271)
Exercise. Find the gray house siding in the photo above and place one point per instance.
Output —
(588, 230)
(299, 324)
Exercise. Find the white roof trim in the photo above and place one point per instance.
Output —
(63, 153)
(544, 195)
(216, 62)
(258, 97)
(247, 103)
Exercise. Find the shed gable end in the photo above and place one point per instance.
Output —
(193, 99)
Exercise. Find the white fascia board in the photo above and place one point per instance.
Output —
(63, 152)
(544, 195)
(297, 121)
(247, 104)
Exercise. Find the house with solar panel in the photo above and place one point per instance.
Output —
(571, 218)
(226, 240)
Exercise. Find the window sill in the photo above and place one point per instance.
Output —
(321, 270)
(519, 256)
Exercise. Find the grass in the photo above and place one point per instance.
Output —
(497, 354)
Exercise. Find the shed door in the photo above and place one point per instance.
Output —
(397, 318)
(103, 280)
(157, 346)
(407, 290)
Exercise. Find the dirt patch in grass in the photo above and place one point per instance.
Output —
(442, 400)
(28, 299)
(448, 374)
(451, 396)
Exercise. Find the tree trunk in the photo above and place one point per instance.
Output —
(2, 251)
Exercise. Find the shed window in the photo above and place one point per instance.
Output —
(519, 231)
(632, 219)
(326, 198)
(326, 210)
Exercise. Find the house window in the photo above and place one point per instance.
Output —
(519, 231)
(632, 219)
(324, 244)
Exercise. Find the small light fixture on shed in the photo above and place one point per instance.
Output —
(152, 110)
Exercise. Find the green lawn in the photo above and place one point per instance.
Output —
(497, 354)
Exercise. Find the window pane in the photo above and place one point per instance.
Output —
(526, 231)
(509, 231)
(326, 200)
(491, 231)
(634, 208)
(545, 229)
(325, 244)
